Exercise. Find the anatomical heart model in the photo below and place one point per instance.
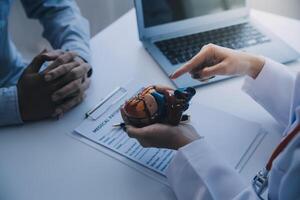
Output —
(157, 104)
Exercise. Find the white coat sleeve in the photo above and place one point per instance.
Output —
(198, 172)
(273, 89)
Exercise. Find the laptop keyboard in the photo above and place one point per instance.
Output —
(181, 49)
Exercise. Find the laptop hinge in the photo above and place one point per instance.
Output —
(195, 29)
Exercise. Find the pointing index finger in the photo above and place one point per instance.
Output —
(190, 65)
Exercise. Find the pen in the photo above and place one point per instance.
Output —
(120, 125)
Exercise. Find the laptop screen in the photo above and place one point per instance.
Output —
(157, 12)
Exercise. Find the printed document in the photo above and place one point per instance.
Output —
(100, 129)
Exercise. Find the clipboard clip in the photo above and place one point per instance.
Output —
(107, 103)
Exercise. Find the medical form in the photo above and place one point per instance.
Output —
(98, 127)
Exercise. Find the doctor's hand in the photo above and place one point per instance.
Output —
(164, 136)
(214, 60)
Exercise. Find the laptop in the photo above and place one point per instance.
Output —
(174, 31)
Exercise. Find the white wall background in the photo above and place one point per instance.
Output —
(101, 13)
(290, 8)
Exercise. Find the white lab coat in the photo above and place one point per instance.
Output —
(197, 172)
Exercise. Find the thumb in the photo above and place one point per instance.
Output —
(134, 132)
(37, 63)
(213, 71)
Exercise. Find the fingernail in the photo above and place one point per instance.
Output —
(55, 97)
(48, 77)
(57, 114)
(171, 76)
(58, 111)
(196, 76)
(206, 79)
(60, 116)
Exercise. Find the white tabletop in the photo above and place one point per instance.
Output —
(41, 161)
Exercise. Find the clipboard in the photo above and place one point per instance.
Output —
(115, 97)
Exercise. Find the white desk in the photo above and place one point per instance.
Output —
(40, 161)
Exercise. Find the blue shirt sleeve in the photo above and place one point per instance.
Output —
(9, 107)
(64, 26)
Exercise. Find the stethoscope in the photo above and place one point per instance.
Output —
(260, 181)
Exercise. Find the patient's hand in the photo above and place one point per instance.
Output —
(35, 95)
(72, 75)
(164, 136)
(215, 60)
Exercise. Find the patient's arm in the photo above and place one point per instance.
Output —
(9, 107)
(64, 26)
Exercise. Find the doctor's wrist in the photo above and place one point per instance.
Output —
(256, 64)
(187, 140)
(191, 142)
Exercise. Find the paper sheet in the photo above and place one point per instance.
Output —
(101, 130)
(234, 138)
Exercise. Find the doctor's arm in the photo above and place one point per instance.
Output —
(267, 82)
(197, 171)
